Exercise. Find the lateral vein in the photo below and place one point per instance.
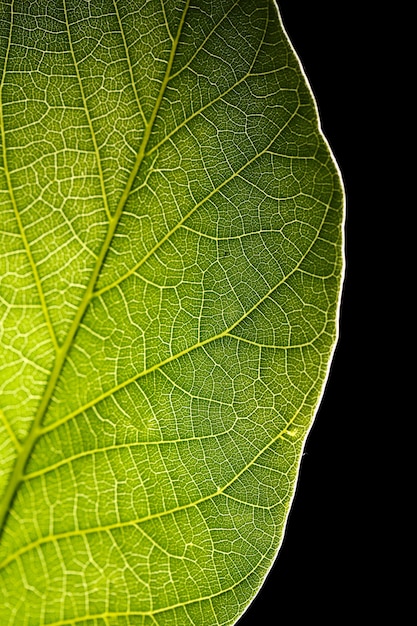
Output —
(181, 507)
(186, 217)
(129, 62)
(87, 113)
(36, 430)
(199, 344)
(22, 232)
(10, 431)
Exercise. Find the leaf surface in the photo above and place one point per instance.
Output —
(170, 266)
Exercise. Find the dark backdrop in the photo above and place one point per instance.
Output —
(318, 576)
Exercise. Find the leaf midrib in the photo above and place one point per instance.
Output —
(61, 352)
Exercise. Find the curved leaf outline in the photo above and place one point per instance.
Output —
(170, 274)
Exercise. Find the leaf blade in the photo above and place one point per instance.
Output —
(173, 358)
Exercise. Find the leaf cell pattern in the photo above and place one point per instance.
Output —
(170, 266)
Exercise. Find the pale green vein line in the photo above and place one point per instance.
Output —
(279, 347)
(188, 119)
(208, 400)
(182, 221)
(125, 558)
(240, 237)
(129, 62)
(262, 507)
(166, 20)
(151, 613)
(10, 431)
(211, 102)
(188, 350)
(36, 429)
(206, 39)
(12, 196)
(157, 146)
(116, 525)
(170, 555)
(87, 113)
(121, 446)
(129, 381)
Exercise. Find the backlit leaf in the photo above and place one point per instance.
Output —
(170, 266)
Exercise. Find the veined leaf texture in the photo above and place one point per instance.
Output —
(170, 268)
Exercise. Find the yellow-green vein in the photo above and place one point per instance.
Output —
(129, 63)
(182, 221)
(181, 507)
(199, 344)
(36, 430)
(12, 196)
(87, 113)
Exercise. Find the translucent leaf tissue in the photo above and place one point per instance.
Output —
(170, 267)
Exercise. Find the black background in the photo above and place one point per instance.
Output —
(320, 573)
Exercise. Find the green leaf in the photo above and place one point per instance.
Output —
(170, 269)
